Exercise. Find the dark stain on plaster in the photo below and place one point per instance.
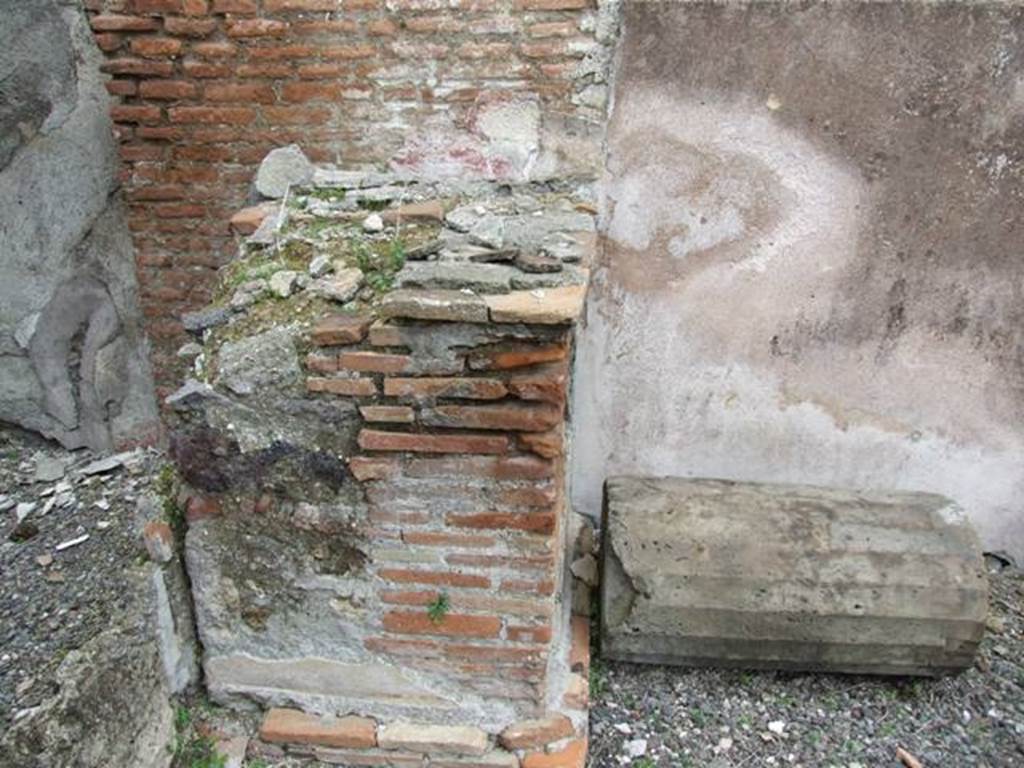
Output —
(941, 149)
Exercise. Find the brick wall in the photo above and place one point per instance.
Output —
(205, 88)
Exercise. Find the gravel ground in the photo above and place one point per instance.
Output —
(53, 600)
(683, 718)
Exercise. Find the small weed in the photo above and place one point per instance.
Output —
(597, 678)
(699, 718)
(192, 749)
(438, 609)
(644, 762)
(327, 193)
(396, 255)
(167, 488)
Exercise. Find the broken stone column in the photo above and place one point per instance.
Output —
(719, 573)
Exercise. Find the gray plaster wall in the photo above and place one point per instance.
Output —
(814, 253)
(73, 359)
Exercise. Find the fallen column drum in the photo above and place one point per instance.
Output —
(718, 573)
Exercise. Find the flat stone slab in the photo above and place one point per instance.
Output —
(717, 573)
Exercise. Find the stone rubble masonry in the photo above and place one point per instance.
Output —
(203, 89)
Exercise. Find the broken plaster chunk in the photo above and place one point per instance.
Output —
(283, 283)
(320, 265)
(447, 275)
(454, 306)
(342, 286)
(282, 168)
(551, 306)
(373, 223)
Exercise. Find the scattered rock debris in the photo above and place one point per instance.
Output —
(703, 718)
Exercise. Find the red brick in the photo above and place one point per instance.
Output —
(384, 517)
(382, 28)
(244, 7)
(458, 625)
(554, 29)
(374, 362)
(256, 28)
(137, 67)
(277, 52)
(247, 93)
(403, 647)
(322, 363)
(180, 211)
(167, 89)
(374, 440)
(199, 507)
(507, 562)
(121, 87)
(497, 467)
(195, 7)
(110, 22)
(344, 387)
(349, 52)
(484, 50)
(175, 25)
(207, 70)
(134, 152)
(544, 587)
(156, 6)
(504, 521)
(579, 649)
(156, 47)
(109, 41)
(273, 6)
(217, 50)
(324, 27)
(437, 578)
(550, 445)
(248, 220)
(135, 114)
(393, 414)
(504, 416)
(519, 634)
(547, 383)
(367, 468)
(303, 92)
(223, 115)
(342, 329)
(317, 71)
(533, 734)
(157, 192)
(516, 356)
(290, 726)
(455, 540)
(492, 653)
(572, 756)
(470, 389)
(553, 5)
(264, 70)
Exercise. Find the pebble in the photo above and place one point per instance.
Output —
(45, 560)
(373, 223)
(636, 747)
(23, 510)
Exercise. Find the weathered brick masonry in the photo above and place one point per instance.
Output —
(204, 88)
(375, 449)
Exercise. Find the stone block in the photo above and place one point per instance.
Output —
(547, 306)
(434, 305)
(719, 573)
(531, 734)
(291, 726)
(433, 739)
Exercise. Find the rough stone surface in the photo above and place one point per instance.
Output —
(75, 361)
(442, 739)
(711, 572)
(293, 726)
(267, 359)
(282, 168)
(548, 306)
(824, 273)
(435, 305)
